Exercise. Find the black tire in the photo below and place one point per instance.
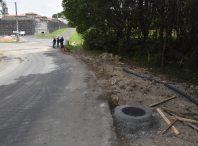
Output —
(120, 115)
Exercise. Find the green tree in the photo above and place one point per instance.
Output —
(70, 24)
(164, 31)
(103, 23)
(1, 4)
(58, 14)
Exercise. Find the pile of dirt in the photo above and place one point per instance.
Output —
(111, 57)
(123, 88)
(8, 39)
(11, 39)
(21, 39)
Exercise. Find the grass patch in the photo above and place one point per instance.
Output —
(141, 59)
(54, 34)
(92, 51)
(72, 47)
(78, 39)
(9, 42)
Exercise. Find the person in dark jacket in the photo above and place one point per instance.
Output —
(54, 42)
(61, 42)
(58, 42)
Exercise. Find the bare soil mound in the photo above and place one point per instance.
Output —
(123, 88)
(8, 39)
(21, 39)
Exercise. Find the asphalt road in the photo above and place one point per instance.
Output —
(47, 98)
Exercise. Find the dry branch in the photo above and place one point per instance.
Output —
(161, 101)
(180, 113)
(186, 123)
(167, 121)
(184, 119)
(171, 124)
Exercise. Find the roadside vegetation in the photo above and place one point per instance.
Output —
(79, 44)
(1, 4)
(173, 71)
(54, 34)
(10, 42)
(77, 38)
(160, 34)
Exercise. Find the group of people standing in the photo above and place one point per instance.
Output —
(57, 41)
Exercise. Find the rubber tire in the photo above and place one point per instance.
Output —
(119, 115)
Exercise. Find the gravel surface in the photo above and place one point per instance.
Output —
(48, 98)
(122, 88)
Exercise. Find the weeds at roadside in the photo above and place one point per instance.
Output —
(171, 72)
(9, 42)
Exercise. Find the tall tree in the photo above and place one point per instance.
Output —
(57, 15)
(1, 4)
(163, 30)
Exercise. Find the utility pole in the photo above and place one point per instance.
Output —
(17, 25)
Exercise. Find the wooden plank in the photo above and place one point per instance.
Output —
(193, 126)
(186, 123)
(171, 124)
(162, 101)
(180, 113)
(184, 119)
(167, 121)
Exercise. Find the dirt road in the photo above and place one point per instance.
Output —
(47, 98)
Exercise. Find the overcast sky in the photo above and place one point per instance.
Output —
(41, 7)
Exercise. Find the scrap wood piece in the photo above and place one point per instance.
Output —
(162, 101)
(171, 112)
(189, 114)
(186, 123)
(167, 121)
(180, 113)
(184, 119)
(193, 126)
(171, 124)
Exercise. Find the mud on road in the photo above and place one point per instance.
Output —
(122, 88)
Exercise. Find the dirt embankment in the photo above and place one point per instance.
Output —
(8, 39)
(123, 88)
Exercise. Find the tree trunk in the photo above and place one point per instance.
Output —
(168, 31)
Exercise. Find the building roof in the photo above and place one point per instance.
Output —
(31, 13)
(38, 16)
(21, 15)
(10, 15)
